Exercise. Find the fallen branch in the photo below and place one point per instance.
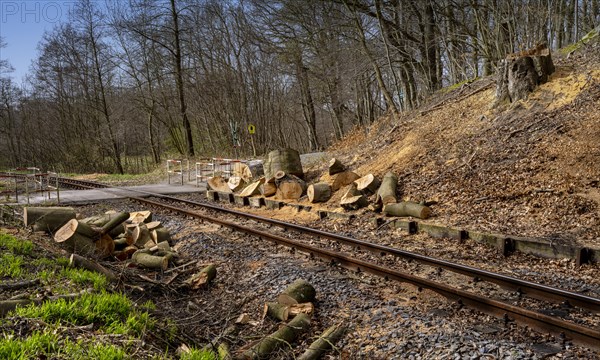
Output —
(285, 335)
(19, 285)
(324, 343)
(83, 263)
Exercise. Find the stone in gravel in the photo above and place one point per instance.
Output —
(546, 349)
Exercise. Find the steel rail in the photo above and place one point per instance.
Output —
(523, 287)
(580, 334)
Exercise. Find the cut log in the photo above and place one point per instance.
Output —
(48, 219)
(252, 189)
(324, 343)
(280, 338)
(354, 202)
(105, 246)
(141, 235)
(138, 217)
(286, 160)
(387, 191)
(304, 308)
(342, 179)
(116, 220)
(268, 189)
(291, 188)
(320, 192)
(279, 175)
(242, 171)
(126, 253)
(520, 73)
(162, 246)
(335, 166)
(276, 311)
(351, 191)
(407, 208)
(160, 235)
(217, 183)
(141, 257)
(236, 183)
(153, 225)
(367, 184)
(77, 237)
(83, 263)
(203, 277)
(300, 291)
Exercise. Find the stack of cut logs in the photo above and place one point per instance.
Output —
(120, 235)
(295, 303)
(288, 184)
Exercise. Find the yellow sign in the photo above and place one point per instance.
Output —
(251, 129)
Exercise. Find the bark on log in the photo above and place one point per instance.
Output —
(276, 311)
(286, 160)
(324, 343)
(236, 183)
(141, 257)
(83, 263)
(153, 225)
(387, 191)
(300, 291)
(48, 219)
(520, 73)
(116, 220)
(291, 188)
(335, 166)
(407, 208)
(252, 189)
(367, 184)
(217, 183)
(162, 246)
(354, 202)
(76, 237)
(280, 338)
(161, 235)
(203, 277)
(342, 179)
(320, 192)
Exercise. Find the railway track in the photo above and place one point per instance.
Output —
(581, 334)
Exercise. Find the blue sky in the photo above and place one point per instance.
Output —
(22, 24)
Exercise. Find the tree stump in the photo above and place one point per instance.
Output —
(520, 73)
(286, 160)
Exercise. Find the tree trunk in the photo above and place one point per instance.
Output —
(115, 221)
(236, 183)
(219, 184)
(276, 311)
(300, 291)
(48, 219)
(387, 191)
(268, 189)
(281, 338)
(324, 343)
(407, 208)
(520, 73)
(286, 160)
(336, 166)
(291, 188)
(320, 192)
(77, 237)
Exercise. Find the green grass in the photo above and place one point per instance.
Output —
(85, 277)
(202, 354)
(14, 245)
(111, 312)
(48, 344)
(11, 265)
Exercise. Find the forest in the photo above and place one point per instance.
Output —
(122, 85)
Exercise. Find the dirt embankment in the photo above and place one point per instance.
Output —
(531, 168)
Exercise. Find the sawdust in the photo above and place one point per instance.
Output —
(531, 169)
